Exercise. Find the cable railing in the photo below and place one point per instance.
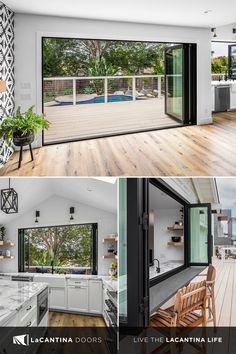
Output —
(135, 85)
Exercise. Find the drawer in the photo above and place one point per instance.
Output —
(28, 309)
(30, 320)
(54, 282)
(82, 282)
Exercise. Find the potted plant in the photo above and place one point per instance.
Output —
(21, 128)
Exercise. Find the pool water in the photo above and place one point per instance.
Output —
(99, 99)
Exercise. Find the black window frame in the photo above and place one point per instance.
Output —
(165, 188)
(21, 253)
(189, 88)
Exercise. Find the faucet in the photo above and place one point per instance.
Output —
(158, 269)
(52, 265)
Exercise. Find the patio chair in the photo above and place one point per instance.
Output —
(188, 312)
(210, 295)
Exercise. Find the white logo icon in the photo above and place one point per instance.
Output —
(21, 340)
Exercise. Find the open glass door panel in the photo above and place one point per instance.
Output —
(174, 81)
(199, 227)
(232, 61)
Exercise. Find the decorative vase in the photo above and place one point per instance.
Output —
(23, 140)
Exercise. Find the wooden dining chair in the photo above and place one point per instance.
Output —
(210, 294)
(187, 313)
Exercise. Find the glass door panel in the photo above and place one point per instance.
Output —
(199, 234)
(174, 81)
(232, 61)
(123, 249)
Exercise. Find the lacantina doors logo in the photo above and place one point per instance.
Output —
(21, 340)
(26, 340)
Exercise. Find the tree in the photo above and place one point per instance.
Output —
(73, 57)
(219, 65)
(64, 245)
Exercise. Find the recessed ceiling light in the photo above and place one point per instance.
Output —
(207, 11)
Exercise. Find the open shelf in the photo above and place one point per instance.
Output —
(110, 257)
(5, 257)
(176, 244)
(110, 239)
(175, 228)
(6, 244)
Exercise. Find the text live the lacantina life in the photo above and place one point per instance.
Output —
(178, 340)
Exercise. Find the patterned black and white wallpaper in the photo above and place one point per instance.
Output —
(6, 72)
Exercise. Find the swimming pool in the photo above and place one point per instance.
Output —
(99, 99)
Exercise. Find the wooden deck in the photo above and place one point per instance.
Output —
(225, 290)
(91, 120)
(207, 150)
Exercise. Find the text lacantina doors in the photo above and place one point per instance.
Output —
(199, 239)
(133, 252)
(180, 82)
(232, 61)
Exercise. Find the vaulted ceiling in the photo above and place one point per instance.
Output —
(33, 191)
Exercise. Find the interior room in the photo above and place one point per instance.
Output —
(166, 233)
(192, 94)
(58, 236)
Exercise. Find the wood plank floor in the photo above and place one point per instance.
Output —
(60, 319)
(225, 290)
(91, 120)
(207, 150)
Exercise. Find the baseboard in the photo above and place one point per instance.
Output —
(203, 121)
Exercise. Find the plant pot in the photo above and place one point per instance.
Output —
(176, 238)
(23, 140)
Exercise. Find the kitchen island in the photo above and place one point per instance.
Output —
(19, 303)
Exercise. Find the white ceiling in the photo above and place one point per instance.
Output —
(160, 200)
(172, 12)
(33, 191)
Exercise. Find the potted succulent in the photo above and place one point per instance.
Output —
(21, 128)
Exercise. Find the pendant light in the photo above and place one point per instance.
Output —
(9, 200)
(72, 211)
(37, 215)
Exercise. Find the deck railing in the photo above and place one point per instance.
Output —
(106, 79)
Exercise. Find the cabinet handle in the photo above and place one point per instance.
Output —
(29, 308)
(29, 324)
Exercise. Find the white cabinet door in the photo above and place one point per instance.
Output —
(95, 296)
(57, 298)
(77, 298)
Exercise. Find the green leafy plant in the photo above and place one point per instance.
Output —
(22, 124)
(68, 91)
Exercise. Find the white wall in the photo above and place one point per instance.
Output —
(55, 211)
(29, 30)
(224, 33)
(162, 219)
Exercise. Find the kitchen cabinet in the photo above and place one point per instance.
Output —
(57, 298)
(95, 296)
(77, 298)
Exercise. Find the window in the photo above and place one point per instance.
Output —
(60, 249)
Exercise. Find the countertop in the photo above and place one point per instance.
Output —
(112, 283)
(223, 82)
(14, 295)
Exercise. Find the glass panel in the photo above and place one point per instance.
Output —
(232, 61)
(199, 235)
(174, 82)
(59, 249)
(123, 249)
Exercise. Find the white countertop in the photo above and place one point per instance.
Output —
(223, 82)
(112, 283)
(14, 295)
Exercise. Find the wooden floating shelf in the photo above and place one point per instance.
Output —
(110, 239)
(5, 257)
(6, 244)
(176, 244)
(110, 257)
(175, 228)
